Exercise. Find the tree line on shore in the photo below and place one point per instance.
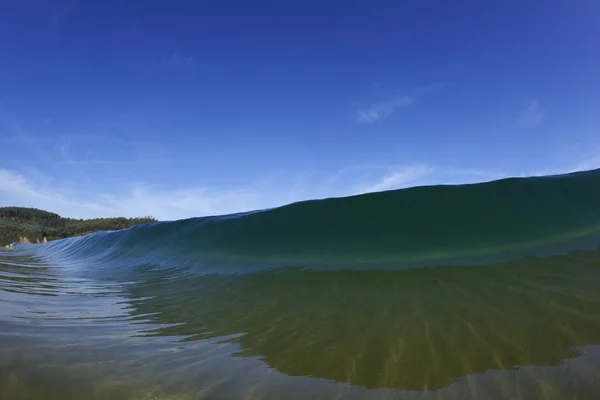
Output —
(35, 225)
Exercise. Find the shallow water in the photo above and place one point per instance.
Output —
(522, 329)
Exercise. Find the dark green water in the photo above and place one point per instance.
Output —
(488, 291)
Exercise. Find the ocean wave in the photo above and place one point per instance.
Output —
(420, 226)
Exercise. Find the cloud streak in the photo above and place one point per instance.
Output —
(381, 110)
(590, 161)
(533, 114)
(399, 178)
(16, 189)
(170, 203)
(167, 203)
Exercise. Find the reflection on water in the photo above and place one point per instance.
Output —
(524, 329)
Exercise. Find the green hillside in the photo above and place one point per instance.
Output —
(34, 224)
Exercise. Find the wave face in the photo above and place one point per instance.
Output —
(327, 298)
(428, 225)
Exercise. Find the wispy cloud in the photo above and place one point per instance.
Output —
(591, 160)
(572, 160)
(14, 183)
(168, 203)
(399, 178)
(533, 114)
(79, 200)
(183, 202)
(176, 60)
(16, 189)
(380, 110)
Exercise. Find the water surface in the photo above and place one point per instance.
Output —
(415, 294)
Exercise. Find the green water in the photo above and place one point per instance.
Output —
(509, 330)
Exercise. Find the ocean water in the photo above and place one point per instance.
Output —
(485, 291)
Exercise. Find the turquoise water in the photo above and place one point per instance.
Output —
(487, 291)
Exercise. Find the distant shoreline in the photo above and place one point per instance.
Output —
(31, 225)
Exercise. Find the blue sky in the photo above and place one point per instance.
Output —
(189, 108)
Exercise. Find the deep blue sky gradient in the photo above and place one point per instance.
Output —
(187, 108)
